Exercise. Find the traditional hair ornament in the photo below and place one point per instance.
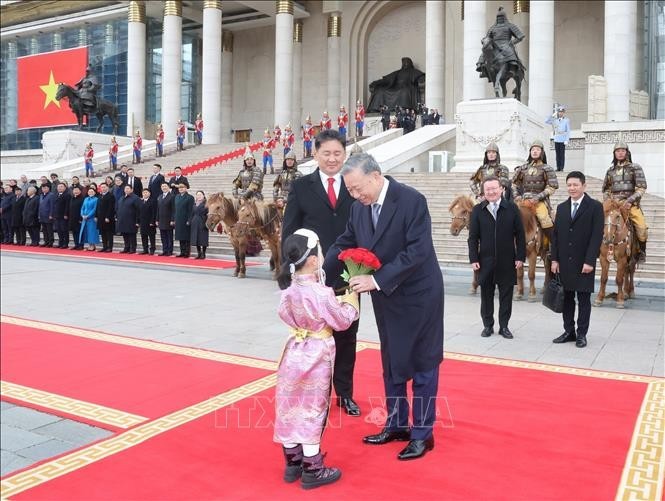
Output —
(312, 243)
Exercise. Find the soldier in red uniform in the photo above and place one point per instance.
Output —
(88, 155)
(113, 154)
(137, 147)
(342, 121)
(288, 139)
(326, 122)
(268, 145)
(181, 131)
(307, 135)
(198, 126)
(159, 138)
(360, 118)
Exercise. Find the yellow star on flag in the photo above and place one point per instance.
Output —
(50, 90)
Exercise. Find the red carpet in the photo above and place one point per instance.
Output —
(503, 433)
(209, 263)
(128, 378)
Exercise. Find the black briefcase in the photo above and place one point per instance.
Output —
(553, 295)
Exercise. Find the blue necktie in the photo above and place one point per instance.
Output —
(376, 210)
(575, 205)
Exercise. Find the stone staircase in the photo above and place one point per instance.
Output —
(439, 188)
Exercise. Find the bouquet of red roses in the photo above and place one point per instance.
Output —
(358, 261)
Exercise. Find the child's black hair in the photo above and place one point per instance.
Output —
(293, 249)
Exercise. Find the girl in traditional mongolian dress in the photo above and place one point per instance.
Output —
(312, 312)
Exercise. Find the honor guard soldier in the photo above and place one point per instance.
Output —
(277, 132)
(342, 121)
(360, 118)
(492, 166)
(535, 182)
(180, 135)
(198, 129)
(326, 122)
(282, 185)
(113, 154)
(625, 181)
(268, 145)
(137, 147)
(307, 135)
(88, 155)
(288, 139)
(159, 141)
(249, 182)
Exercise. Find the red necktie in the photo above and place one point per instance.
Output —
(331, 192)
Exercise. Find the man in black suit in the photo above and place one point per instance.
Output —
(320, 202)
(166, 219)
(155, 182)
(134, 182)
(61, 215)
(75, 203)
(147, 218)
(31, 216)
(106, 218)
(127, 219)
(175, 181)
(18, 229)
(578, 233)
(497, 248)
(123, 174)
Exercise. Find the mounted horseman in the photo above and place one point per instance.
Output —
(87, 89)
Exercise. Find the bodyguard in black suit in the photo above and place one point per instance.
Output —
(134, 182)
(61, 215)
(166, 219)
(497, 248)
(312, 205)
(75, 204)
(106, 218)
(175, 181)
(578, 233)
(147, 218)
(155, 182)
(127, 219)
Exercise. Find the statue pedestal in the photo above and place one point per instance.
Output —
(62, 145)
(506, 122)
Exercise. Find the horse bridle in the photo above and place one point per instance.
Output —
(623, 225)
(244, 226)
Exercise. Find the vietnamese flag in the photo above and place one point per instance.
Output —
(38, 79)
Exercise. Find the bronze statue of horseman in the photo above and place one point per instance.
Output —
(83, 101)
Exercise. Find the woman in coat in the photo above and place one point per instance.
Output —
(197, 223)
(89, 233)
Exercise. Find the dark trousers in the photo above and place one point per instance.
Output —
(33, 231)
(19, 232)
(583, 314)
(148, 237)
(130, 242)
(62, 228)
(184, 247)
(167, 241)
(560, 149)
(107, 237)
(6, 230)
(487, 304)
(76, 232)
(47, 230)
(424, 386)
(345, 360)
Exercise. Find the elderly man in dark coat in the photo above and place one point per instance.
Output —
(127, 219)
(147, 219)
(497, 248)
(46, 214)
(75, 204)
(106, 218)
(6, 210)
(392, 220)
(166, 219)
(183, 211)
(31, 216)
(18, 229)
(578, 233)
(61, 215)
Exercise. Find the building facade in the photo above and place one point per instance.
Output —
(247, 66)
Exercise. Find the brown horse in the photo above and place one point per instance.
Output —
(460, 209)
(619, 246)
(536, 246)
(223, 217)
(259, 219)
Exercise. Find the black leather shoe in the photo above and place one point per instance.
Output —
(566, 337)
(416, 449)
(581, 341)
(505, 332)
(487, 332)
(387, 436)
(349, 406)
(143, 253)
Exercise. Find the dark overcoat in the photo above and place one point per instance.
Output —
(31, 212)
(148, 215)
(308, 207)
(127, 214)
(409, 306)
(576, 242)
(496, 245)
(17, 213)
(61, 205)
(106, 210)
(46, 207)
(75, 204)
(166, 210)
(7, 206)
(197, 222)
(183, 210)
(155, 185)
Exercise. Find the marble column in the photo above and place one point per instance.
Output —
(296, 116)
(475, 27)
(283, 61)
(434, 54)
(619, 46)
(540, 70)
(333, 101)
(521, 18)
(136, 54)
(211, 81)
(227, 85)
(172, 68)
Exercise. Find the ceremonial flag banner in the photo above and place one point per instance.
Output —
(38, 79)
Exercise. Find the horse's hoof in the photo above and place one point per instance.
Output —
(241, 275)
(532, 299)
(235, 273)
(517, 298)
(472, 291)
(597, 303)
(620, 306)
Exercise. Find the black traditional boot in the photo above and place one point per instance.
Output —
(203, 252)
(315, 474)
(293, 457)
(642, 256)
(198, 252)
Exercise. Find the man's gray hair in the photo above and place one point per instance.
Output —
(363, 161)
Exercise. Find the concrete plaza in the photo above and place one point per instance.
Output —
(212, 310)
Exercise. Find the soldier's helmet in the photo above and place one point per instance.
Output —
(537, 142)
(492, 147)
(308, 119)
(358, 103)
(621, 145)
(291, 154)
(248, 153)
(325, 113)
(500, 13)
(266, 133)
(288, 126)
